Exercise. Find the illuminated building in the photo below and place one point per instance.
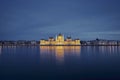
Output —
(59, 40)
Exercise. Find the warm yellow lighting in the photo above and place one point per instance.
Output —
(60, 41)
(59, 51)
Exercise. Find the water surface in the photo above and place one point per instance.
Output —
(59, 62)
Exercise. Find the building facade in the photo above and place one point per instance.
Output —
(59, 40)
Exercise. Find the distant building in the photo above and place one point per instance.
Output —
(33, 42)
(112, 43)
(21, 42)
(59, 40)
(118, 42)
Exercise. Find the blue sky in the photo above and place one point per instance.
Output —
(36, 19)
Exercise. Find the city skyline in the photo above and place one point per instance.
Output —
(37, 19)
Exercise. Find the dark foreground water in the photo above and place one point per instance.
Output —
(59, 62)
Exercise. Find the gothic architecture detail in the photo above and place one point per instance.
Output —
(59, 40)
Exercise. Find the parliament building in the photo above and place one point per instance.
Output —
(59, 40)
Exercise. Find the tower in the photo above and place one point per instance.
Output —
(60, 39)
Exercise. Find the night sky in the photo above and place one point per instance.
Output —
(37, 19)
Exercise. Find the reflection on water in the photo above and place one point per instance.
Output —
(44, 61)
(101, 50)
(10, 49)
(59, 51)
(110, 50)
(25, 50)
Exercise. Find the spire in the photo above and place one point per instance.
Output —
(56, 37)
(63, 36)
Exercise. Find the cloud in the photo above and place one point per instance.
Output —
(48, 17)
(103, 33)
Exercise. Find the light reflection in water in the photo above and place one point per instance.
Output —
(100, 50)
(8, 49)
(110, 49)
(59, 51)
(12, 49)
(75, 50)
